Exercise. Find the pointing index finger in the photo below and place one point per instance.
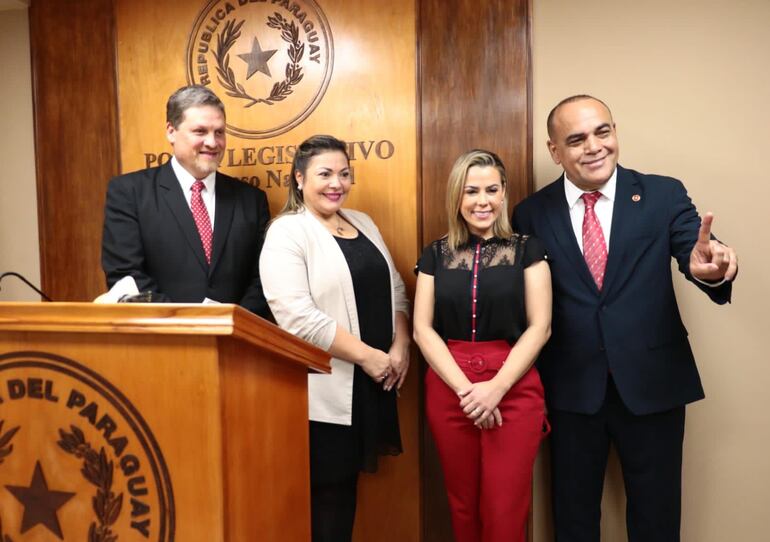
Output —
(704, 234)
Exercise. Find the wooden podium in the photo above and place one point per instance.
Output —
(152, 422)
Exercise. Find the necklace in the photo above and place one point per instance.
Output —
(340, 229)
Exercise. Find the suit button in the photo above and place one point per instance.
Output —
(604, 308)
(602, 349)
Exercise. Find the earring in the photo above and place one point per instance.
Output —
(299, 187)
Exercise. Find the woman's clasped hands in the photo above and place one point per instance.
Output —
(479, 403)
(387, 369)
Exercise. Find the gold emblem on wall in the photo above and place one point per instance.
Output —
(77, 461)
(269, 60)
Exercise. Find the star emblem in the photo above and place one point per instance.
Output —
(257, 59)
(40, 503)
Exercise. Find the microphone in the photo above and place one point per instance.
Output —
(25, 281)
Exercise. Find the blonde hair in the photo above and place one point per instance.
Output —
(458, 233)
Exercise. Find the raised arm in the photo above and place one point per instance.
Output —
(690, 239)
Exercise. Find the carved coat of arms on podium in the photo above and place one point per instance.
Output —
(77, 460)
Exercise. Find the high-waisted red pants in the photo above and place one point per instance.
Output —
(487, 472)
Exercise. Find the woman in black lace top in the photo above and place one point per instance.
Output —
(482, 314)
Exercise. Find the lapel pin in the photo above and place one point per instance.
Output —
(636, 198)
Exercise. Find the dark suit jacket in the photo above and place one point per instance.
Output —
(150, 234)
(632, 327)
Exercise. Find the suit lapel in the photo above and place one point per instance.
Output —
(223, 219)
(171, 192)
(624, 214)
(558, 215)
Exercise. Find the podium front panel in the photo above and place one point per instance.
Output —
(150, 437)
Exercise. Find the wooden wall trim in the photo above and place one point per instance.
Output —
(530, 184)
(417, 363)
(76, 139)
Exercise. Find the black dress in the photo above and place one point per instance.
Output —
(338, 452)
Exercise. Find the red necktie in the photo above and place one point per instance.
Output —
(201, 217)
(594, 247)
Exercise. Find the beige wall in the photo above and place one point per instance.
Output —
(13, 4)
(18, 194)
(688, 83)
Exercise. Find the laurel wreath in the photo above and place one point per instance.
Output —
(5, 441)
(5, 450)
(97, 469)
(227, 38)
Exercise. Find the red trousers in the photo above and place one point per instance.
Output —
(487, 472)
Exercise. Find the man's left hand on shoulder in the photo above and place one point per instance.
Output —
(710, 260)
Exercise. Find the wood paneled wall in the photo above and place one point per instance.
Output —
(473, 73)
(474, 93)
(76, 139)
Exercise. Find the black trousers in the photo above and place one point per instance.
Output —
(334, 465)
(333, 510)
(650, 452)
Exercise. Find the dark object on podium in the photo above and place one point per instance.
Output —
(142, 297)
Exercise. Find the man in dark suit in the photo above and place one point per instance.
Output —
(618, 367)
(182, 230)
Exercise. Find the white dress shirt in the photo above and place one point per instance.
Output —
(208, 193)
(603, 207)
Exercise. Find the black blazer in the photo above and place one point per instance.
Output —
(150, 234)
(632, 327)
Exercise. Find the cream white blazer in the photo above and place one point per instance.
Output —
(308, 286)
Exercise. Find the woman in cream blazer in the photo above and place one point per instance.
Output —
(330, 280)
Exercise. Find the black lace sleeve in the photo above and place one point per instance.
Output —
(534, 251)
(427, 262)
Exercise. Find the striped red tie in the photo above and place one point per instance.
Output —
(594, 247)
(201, 217)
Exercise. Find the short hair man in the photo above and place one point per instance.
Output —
(618, 367)
(184, 231)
